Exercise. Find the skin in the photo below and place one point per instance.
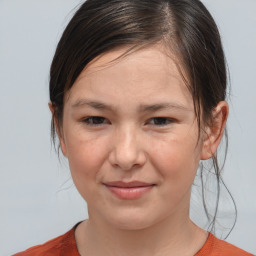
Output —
(133, 119)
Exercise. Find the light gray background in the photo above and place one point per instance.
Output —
(37, 198)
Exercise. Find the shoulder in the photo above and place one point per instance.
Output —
(228, 249)
(54, 247)
(217, 247)
(51, 247)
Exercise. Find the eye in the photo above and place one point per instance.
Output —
(160, 121)
(95, 120)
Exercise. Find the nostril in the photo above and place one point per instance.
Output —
(126, 160)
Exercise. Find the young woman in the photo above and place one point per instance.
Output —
(137, 95)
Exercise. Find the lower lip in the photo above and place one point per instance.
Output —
(129, 193)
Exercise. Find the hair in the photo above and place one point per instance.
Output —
(185, 27)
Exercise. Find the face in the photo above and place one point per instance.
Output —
(131, 138)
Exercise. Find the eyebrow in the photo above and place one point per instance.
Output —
(142, 107)
(93, 104)
(160, 106)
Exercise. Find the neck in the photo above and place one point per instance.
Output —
(172, 236)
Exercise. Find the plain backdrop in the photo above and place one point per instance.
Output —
(37, 198)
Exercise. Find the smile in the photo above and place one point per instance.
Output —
(129, 191)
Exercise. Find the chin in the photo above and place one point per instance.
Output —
(132, 225)
(132, 221)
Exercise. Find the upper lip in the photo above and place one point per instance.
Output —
(130, 184)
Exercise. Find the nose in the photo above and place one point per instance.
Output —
(127, 150)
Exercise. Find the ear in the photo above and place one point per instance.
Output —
(59, 133)
(213, 134)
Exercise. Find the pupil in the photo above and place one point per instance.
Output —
(160, 120)
(98, 120)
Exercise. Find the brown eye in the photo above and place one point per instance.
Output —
(95, 120)
(160, 121)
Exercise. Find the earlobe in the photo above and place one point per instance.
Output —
(60, 136)
(63, 146)
(206, 151)
(213, 133)
(50, 105)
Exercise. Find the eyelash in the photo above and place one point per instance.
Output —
(90, 121)
(166, 119)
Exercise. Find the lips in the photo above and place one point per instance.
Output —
(129, 190)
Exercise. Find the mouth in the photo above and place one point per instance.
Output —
(129, 190)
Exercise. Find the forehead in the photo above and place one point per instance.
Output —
(149, 72)
(155, 57)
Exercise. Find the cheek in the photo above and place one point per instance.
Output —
(177, 161)
(177, 165)
(86, 157)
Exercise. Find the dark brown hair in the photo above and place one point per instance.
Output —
(185, 27)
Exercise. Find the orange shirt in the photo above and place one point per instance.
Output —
(65, 245)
